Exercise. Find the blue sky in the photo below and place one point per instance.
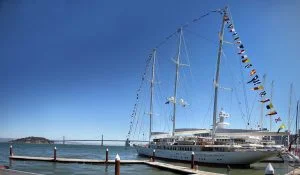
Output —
(72, 68)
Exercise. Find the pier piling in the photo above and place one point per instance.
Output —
(193, 160)
(106, 155)
(11, 150)
(153, 156)
(54, 154)
(117, 165)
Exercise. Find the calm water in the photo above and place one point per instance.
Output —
(97, 152)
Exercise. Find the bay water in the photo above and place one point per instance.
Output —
(98, 152)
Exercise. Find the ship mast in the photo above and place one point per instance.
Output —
(297, 124)
(216, 82)
(151, 93)
(272, 87)
(177, 62)
(289, 113)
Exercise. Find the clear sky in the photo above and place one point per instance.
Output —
(72, 68)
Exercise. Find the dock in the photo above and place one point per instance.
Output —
(178, 169)
(71, 160)
(159, 165)
(294, 172)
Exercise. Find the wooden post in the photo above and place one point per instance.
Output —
(54, 154)
(10, 151)
(106, 155)
(228, 169)
(117, 165)
(193, 160)
(153, 156)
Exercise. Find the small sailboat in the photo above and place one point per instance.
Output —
(208, 146)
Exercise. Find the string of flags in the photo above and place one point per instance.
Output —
(254, 77)
(134, 111)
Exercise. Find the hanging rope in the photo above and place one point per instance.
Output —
(134, 111)
(186, 25)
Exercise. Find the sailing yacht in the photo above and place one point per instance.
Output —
(208, 146)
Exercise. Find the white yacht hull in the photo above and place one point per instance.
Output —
(227, 158)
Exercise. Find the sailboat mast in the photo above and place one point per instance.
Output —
(289, 113)
(151, 93)
(271, 98)
(216, 83)
(176, 78)
(297, 124)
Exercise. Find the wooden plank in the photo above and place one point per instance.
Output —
(294, 172)
(178, 169)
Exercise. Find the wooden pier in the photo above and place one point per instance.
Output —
(163, 166)
(71, 160)
(294, 172)
(178, 169)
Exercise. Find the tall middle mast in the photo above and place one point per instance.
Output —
(177, 62)
(216, 83)
(151, 93)
(289, 113)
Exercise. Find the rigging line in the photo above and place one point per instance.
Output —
(234, 89)
(181, 80)
(159, 93)
(133, 115)
(245, 94)
(188, 58)
(209, 105)
(244, 90)
(143, 106)
(202, 37)
(246, 100)
(187, 51)
(185, 26)
(230, 104)
(162, 100)
(253, 103)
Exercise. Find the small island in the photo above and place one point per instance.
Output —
(33, 140)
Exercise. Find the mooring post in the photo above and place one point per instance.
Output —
(117, 165)
(10, 151)
(106, 155)
(54, 154)
(153, 155)
(193, 160)
(228, 169)
(269, 170)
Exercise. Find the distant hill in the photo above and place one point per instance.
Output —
(33, 140)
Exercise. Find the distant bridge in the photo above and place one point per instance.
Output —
(75, 140)
(127, 141)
